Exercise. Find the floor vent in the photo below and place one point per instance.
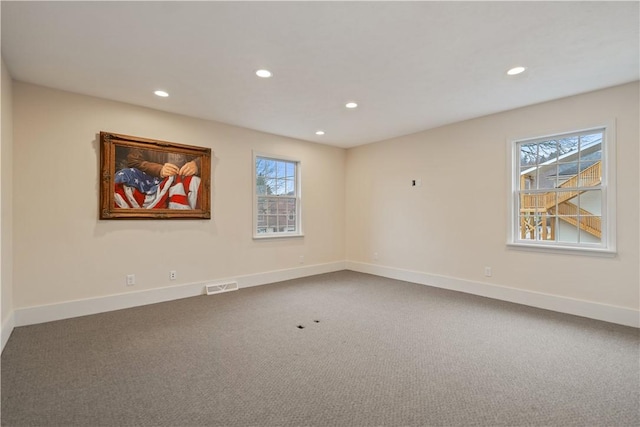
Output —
(221, 287)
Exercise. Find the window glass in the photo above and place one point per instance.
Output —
(277, 197)
(558, 192)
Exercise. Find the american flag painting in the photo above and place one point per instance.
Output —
(138, 190)
(143, 178)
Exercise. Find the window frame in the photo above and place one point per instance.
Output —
(607, 246)
(298, 197)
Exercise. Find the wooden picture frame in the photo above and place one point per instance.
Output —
(144, 178)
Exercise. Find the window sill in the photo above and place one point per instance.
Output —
(270, 236)
(597, 252)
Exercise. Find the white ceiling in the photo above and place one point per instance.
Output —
(410, 66)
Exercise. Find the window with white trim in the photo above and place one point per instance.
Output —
(276, 197)
(562, 191)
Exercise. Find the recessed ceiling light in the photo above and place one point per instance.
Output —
(264, 74)
(161, 93)
(515, 70)
(319, 132)
(351, 105)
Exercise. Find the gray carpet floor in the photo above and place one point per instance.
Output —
(339, 349)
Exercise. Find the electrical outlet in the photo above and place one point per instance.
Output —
(375, 256)
(173, 274)
(487, 271)
(301, 259)
(131, 279)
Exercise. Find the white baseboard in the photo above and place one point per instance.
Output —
(592, 310)
(7, 329)
(288, 274)
(69, 309)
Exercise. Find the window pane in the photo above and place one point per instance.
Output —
(567, 229)
(271, 172)
(272, 223)
(590, 202)
(532, 202)
(273, 187)
(537, 227)
(263, 205)
(548, 176)
(567, 174)
(264, 167)
(290, 187)
(291, 215)
(526, 181)
(566, 202)
(529, 179)
(547, 151)
(530, 227)
(545, 227)
(552, 222)
(265, 176)
(277, 187)
(260, 166)
(590, 174)
(291, 207)
(589, 238)
(291, 170)
(590, 229)
(528, 155)
(282, 223)
(567, 147)
(591, 143)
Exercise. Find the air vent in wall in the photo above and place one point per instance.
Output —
(221, 287)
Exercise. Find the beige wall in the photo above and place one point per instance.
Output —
(62, 251)
(455, 224)
(6, 192)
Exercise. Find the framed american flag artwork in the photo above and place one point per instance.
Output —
(144, 178)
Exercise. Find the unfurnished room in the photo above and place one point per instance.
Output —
(320, 213)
